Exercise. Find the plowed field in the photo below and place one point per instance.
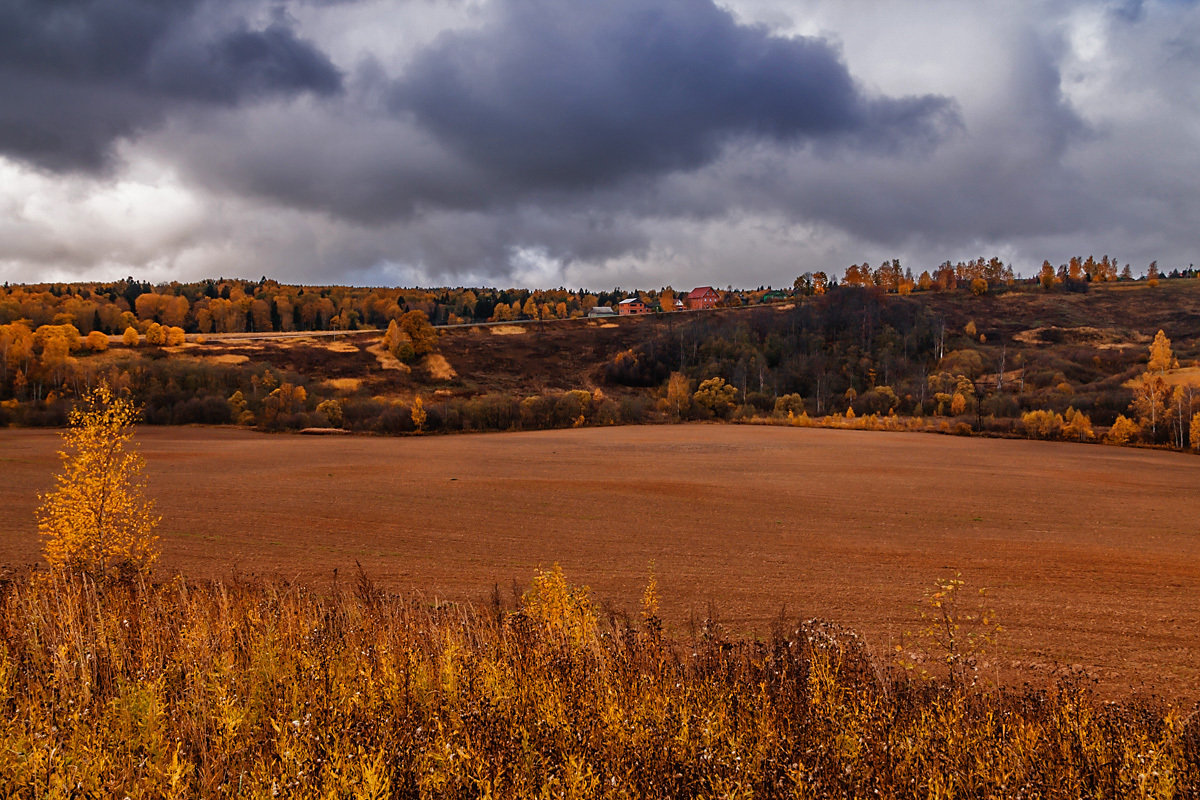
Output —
(1090, 554)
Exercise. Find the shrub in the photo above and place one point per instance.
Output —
(332, 410)
(1042, 424)
(716, 397)
(789, 404)
(1122, 431)
(97, 342)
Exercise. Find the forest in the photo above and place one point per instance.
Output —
(965, 349)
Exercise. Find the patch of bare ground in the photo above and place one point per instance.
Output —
(1090, 554)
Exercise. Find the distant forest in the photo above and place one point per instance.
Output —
(879, 348)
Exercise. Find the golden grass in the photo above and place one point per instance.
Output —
(343, 384)
(1184, 376)
(386, 359)
(438, 367)
(506, 330)
(262, 690)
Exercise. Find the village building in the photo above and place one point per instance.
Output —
(632, 305)
(702, 298)
(601, 311)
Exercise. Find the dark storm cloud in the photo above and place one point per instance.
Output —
(75, 75)
(578, 94)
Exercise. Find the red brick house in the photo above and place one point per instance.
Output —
(632, 305)
(702, 297)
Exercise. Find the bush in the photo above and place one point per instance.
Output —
(1042, 424)
(1000, 405)
(395, 418)
(760, 401)
(879, 400)
(716, 397)
(790, 403)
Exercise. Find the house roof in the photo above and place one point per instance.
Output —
(700, 291)
(630, 300)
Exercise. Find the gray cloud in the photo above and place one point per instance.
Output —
(555, 94)
(633, 142)
(76, 75)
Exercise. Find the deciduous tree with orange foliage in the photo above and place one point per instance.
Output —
(97, 520)
(1152, 394)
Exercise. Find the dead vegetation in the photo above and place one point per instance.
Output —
(237, 689)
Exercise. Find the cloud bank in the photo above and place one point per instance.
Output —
(632, 142)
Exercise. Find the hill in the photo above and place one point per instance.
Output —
(947, 360)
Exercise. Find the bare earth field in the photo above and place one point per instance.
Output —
(1091, 554)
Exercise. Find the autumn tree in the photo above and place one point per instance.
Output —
(716, 396)
(679, 395)
(282, 402)
(1047, 277)
(130, 337)
(156, 334)
(97, 342)
(419, 414)
(789, 405)
(1152, 393)
(332, 410)
(958, 404)
(397, 342)
(1077, 425)
(1041, 424)
(237, 407)
(1161, 356)
(420, 332)
(97, 520)
(1121, 431)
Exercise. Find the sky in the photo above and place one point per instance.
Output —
(632, 143)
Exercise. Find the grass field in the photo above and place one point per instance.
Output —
(1090, 554)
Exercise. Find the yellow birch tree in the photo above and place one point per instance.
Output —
(97, 520)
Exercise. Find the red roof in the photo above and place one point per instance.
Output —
(700, 291)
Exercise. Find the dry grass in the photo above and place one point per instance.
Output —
(386, 360)
(253, 690)
(438, 367)
(507, 330)
(343, 384)
(1184, 376)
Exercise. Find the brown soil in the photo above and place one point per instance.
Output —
(1090, 554)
